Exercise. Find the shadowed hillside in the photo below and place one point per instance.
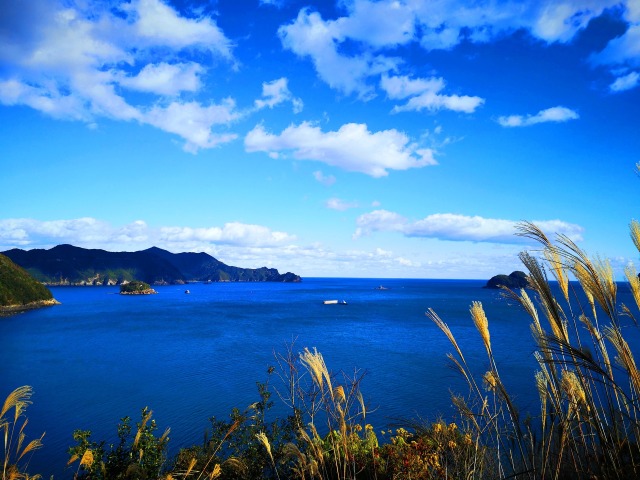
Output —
(69, 265)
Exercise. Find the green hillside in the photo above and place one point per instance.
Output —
(17, 287)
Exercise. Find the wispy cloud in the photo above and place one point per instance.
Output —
(194, 122)
(555, 115)
(335, 203)
(447, 226)
(326, 180)
(377, 152)
(276, 92)
(165, 79)
(626, 82)
(234, 233)
(625, 49)
(424, 94)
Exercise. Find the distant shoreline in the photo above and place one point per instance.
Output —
(13, 309)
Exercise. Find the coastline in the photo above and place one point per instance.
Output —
(13, 309)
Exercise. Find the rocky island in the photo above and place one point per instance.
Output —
(69, 265)
(512, 281)
(19, 291)
(136, 288)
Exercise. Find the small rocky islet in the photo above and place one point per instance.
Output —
(514, 280)
(136, 287)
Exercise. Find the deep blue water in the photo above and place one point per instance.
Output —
(100, 356)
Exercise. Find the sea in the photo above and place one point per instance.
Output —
(100, 356)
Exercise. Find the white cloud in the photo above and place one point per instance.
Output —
(369, 27)
(276, 92)
(50, 101)
(626, 82)
(401, 87)
(335, 203)
(92, 233)
(234, 233)
(274, 3)
(377, 152)
(310, 36)
(379, 221)
(165, 79)
(623, 50)
(158, 24)
(22, 232)
(72, 60)
(446, 23)
(326, 180)
(555, 114)
(253, 246)
(193, 122)
(447, 226)
(424, 94)
(379, 24)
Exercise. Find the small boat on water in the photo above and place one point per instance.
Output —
(187, 291)
(335, 302)
(381, 288)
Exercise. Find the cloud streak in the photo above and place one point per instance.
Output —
(424, 94)
(550, 115)
(335, 203)
(92, 233)
(459, 228)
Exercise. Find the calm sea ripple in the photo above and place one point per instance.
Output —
(100, 356)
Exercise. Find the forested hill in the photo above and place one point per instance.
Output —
(18, 290)
(69, 265)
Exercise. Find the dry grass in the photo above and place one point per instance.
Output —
(589, 420)
(15, 452)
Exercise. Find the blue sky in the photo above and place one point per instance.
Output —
(349, 138)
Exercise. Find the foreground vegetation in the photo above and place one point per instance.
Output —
(588, 425)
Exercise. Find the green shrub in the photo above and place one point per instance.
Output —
(140, 457)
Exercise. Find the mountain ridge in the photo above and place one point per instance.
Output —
(69, 265)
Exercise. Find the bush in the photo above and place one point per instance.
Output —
(141, 457)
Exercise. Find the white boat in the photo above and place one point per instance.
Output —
(187, 291)
(335, 302)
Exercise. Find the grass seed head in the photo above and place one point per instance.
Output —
(481, 323)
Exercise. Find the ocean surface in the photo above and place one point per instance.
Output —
(100, 356)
